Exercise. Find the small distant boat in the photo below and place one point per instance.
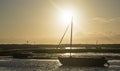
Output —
(22, 55)
(81, 61)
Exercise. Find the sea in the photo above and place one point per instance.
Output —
(10, 64)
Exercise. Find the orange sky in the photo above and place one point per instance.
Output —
(41, 21)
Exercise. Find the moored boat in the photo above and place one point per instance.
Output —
(81, 61)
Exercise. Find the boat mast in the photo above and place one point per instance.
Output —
(71, 35)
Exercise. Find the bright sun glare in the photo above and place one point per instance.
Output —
(66, 16)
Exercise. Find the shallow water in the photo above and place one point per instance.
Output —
(49, 65)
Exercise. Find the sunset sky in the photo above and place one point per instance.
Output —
(43, 21)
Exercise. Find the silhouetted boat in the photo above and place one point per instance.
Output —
(90, 61)
(81, 61)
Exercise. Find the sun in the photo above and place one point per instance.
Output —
(66, 17)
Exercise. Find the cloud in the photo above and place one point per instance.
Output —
(101, 37)
(103, 20)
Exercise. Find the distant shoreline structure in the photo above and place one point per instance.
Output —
(61, 44)
(65, 45)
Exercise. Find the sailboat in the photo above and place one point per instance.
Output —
(81, 61)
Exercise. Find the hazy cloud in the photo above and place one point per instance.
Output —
(101, 37)
(103, 20)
